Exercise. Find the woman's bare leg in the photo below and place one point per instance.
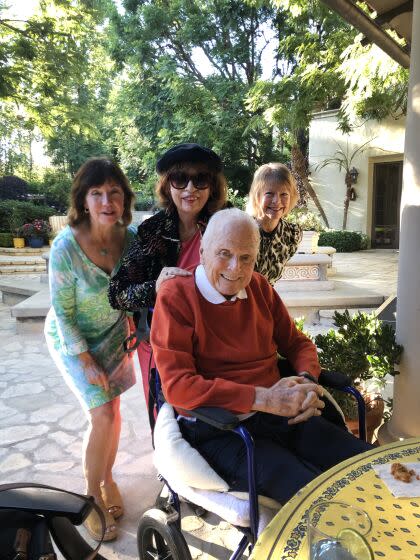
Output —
(97, 447)
(114, 440)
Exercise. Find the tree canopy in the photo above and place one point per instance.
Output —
(132, 78)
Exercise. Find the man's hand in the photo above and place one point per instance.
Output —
(293, 397)
(94, 373)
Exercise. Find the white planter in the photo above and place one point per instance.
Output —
(309, 243)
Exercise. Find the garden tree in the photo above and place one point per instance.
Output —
(376, 85)
(188, 66)
(16, 136)
(323, 65)
(306, 77)
(45, 63)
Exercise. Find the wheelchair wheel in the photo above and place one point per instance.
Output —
(157, 539)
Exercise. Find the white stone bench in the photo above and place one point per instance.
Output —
(304, 272)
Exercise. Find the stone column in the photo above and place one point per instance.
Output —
(405, 421)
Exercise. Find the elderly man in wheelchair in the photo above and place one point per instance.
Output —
(217, 336)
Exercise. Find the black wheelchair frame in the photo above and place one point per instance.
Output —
(159, 533)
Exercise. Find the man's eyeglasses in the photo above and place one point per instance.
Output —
(179, 180)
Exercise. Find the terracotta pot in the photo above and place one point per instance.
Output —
(18, 242)
(374, 415)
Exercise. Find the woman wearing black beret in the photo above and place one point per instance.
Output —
(191, 187)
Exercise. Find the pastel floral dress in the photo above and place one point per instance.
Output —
(81, 319)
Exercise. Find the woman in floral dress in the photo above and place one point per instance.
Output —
(84, 334)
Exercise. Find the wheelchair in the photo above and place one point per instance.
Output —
(159, 534)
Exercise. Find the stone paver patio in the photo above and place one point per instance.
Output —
(41, 423)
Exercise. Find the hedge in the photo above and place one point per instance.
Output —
(14, 213)
(343, 241)
(6, 240)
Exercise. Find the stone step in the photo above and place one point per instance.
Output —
(22, 252)
(22, 269)
(13, 260)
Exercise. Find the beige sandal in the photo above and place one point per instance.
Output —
(113, 499)
(93, 524)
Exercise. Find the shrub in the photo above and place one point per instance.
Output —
(143, 202)
(343, 241)
(6, 240)
(37, 228)
(14, 214)
(55, 187)
(12, 188)
(306, 219)
(363, 348)
(236, 199)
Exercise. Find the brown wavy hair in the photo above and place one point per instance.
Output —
(93, 173)
(270, 174)
(218, 189)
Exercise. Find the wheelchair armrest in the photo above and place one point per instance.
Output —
(217, 417)
(334, 379)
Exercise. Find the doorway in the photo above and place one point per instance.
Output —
(387, 184)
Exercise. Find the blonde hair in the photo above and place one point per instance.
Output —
(266, 175)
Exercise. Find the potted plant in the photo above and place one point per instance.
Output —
(36, 232)
(364, 349)
(311, 226)
(15, 226)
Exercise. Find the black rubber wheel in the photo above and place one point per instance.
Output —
(157, 539)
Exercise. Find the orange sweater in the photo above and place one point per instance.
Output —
(216, 354)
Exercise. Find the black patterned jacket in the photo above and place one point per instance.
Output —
(156, 245)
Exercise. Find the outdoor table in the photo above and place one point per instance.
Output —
(395, 533)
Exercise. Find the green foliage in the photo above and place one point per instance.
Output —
(14, 214)
(306, 219)
(363, 348)
(12, 188)
(343, 241)
(236, 199)
(189, 67)
(6, 240)
(55, 185)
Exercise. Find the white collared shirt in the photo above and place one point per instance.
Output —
(209, 292)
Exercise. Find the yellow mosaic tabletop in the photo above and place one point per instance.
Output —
(395, 533)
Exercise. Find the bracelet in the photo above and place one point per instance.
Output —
(309, 377)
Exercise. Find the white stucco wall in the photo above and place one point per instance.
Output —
(387, 144)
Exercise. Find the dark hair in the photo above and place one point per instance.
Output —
(93, 173)
(218, 189)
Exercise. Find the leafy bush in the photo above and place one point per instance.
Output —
(343, 241)
(6, 240)
(306, 219)
(55, 187)
(14, 214)
(143, 202)
(12, 188)
(236, 199)
(37, 228)
(363, 348)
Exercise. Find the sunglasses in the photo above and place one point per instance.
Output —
(179, 180)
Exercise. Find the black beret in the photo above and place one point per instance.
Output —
(192, 153)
